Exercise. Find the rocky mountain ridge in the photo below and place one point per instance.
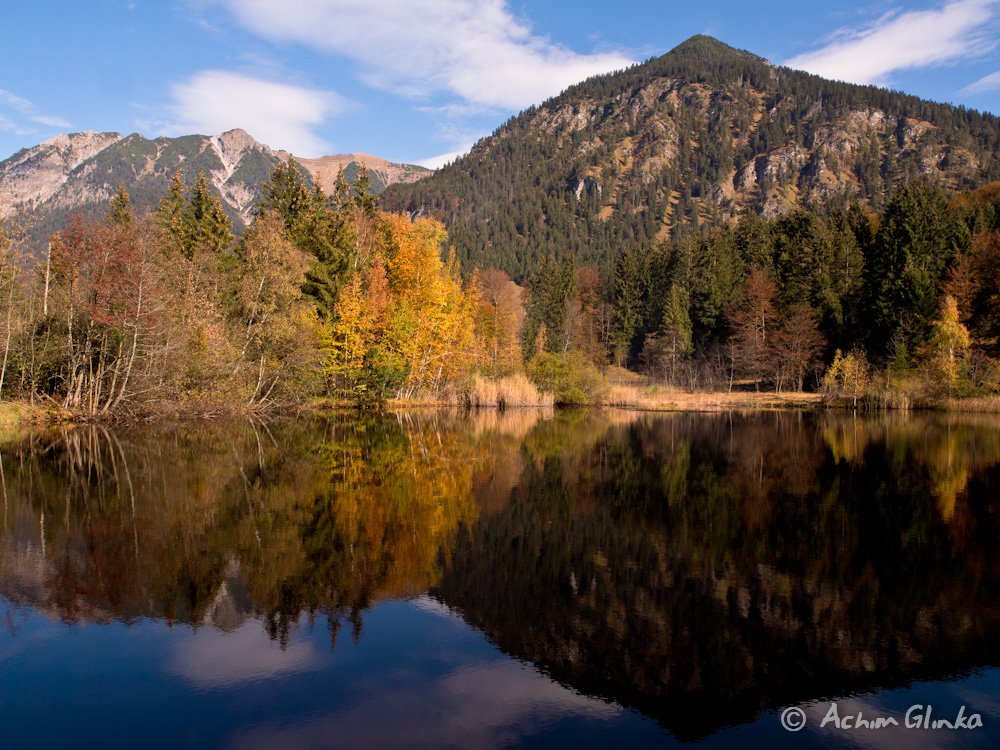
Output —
(381, 172)
(80, 172)
(695, 137)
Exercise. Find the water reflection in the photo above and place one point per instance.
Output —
(700, 568)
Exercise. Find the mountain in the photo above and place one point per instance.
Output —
(381, 172)
(696, 136)
(80, 172)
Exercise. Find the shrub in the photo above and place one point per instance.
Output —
(568, 376)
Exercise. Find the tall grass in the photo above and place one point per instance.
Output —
(633, 396)
(982, 404)
(503, 393)
(663, 398)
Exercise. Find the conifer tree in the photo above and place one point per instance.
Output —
(206, 224)
(170, 217)
(287, 194)
(548, 304)
(629, 303)
(120, 211)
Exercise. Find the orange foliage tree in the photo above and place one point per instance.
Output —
(499, 319)
(404, 324)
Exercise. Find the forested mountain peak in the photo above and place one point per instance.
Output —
(693, 138)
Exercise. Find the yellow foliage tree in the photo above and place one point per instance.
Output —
(848, 376)
(355, 342)
(431, 313)
(948, 349)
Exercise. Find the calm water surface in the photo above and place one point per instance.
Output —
(530, 579)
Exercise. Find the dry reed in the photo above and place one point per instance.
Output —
(506, 392)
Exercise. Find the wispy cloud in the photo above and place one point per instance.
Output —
(19, 107)
(478, 703)
(7, 126)
(15, 102)
(984, 84)
(52, 122)
(903, 41)
(215, 659)
(436, 162)
(474, 49)
(281, 115)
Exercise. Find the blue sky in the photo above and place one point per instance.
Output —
(417, 80)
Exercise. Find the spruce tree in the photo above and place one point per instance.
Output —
(208, 227)
(119, 213)
(170, 218)
(287, 194)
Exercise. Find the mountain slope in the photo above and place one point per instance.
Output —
(80, 172)
(381, 172)
(698, 135)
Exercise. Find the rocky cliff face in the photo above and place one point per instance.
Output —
(382, 172)
(698, 136)
(80, 172)
(32, 176)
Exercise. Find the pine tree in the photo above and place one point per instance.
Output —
(119, 213)
(207, 226)
(287, 194)
(630, 272)
(170, 218)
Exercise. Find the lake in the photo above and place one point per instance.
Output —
(580, 579)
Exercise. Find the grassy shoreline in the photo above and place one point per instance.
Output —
(18, 415)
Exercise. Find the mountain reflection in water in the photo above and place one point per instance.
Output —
(699, 568)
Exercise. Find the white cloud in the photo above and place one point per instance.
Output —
(903, 41)
(26, 108)
(21, 105)
(281, 115)
(436, 162)
(984, 84)
(212, 658)
(475, 49)
(52, 122)
(484, 705)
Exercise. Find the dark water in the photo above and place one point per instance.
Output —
(577, 579)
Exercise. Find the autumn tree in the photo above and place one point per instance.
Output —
(11, 262)
(202, 265)
(403, 324)
(431, 311)
(275, 326)
(799, 345)
(592, 316)
(106, 297)
(947, 350)
(498, 321)
(848, 376)
(753, 323)
(960, 282)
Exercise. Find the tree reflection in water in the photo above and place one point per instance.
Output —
(675, 563)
